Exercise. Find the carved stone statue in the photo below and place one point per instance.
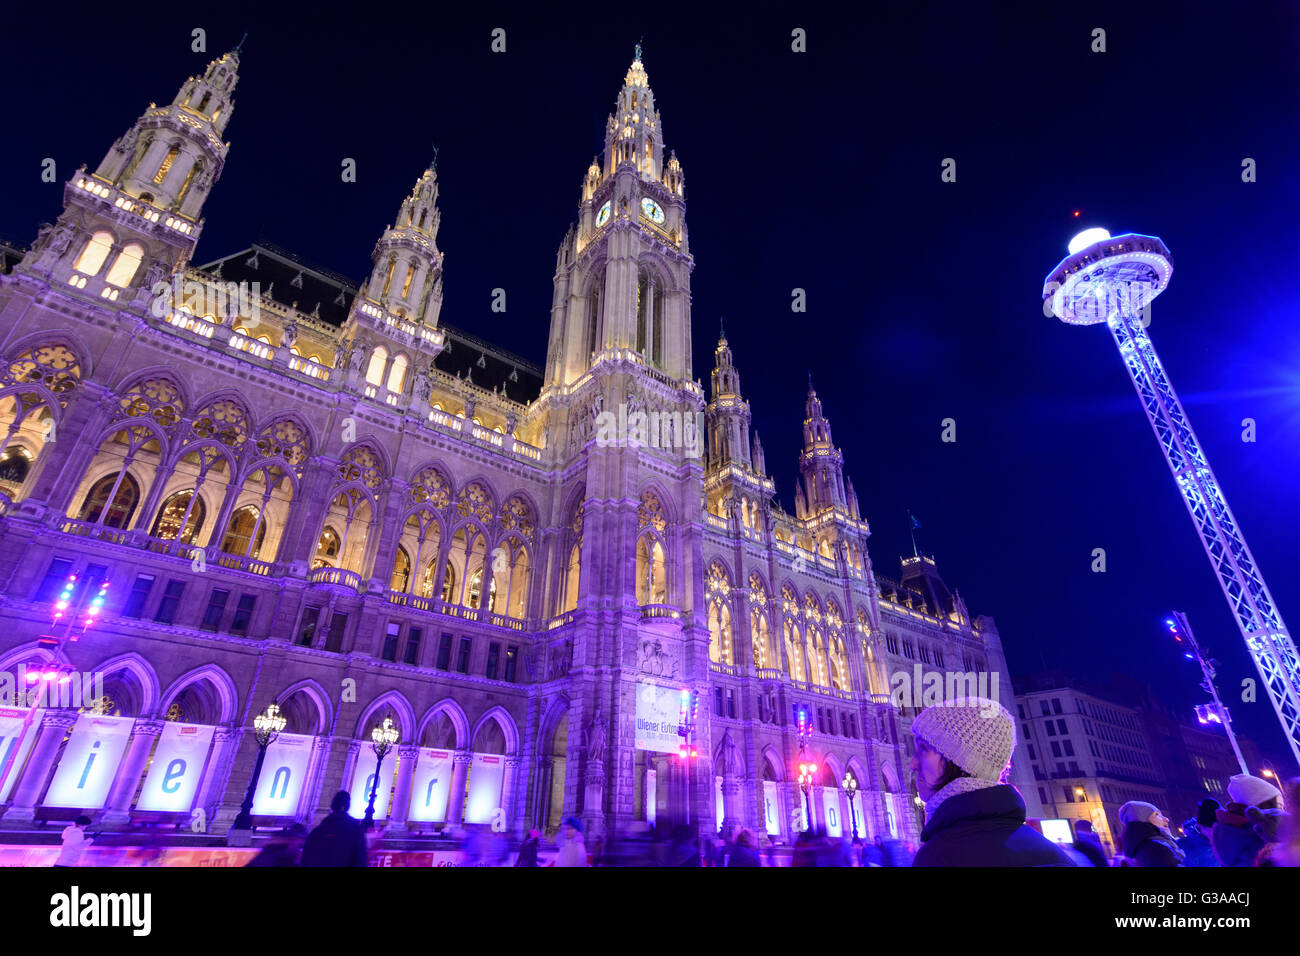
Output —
(470, 405)
(422, 385)
(289, 335)
(357, 357)
(596, 737)
(60, 242)
(731, 760)
(511, 421)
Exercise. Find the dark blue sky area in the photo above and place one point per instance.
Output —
(821, 171)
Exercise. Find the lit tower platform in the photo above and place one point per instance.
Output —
(1112, 279)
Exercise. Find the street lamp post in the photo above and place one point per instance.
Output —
(384, 735)
(1215, 712)
(687, 750)
(267, 726)
(851, 787)
(807, 767)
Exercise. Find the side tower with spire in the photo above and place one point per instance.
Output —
(393, 324)
(135, 219)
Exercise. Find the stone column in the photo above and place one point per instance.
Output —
(118, 808)
(731, 811)
(509, 788)
(40, 765)
(593, 803)
(456, 798)
(406, 757)
(217, 776)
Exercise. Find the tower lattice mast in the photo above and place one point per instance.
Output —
(1112, 280)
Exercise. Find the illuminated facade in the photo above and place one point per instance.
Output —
(311, 493)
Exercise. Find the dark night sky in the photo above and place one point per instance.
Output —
(821, 171)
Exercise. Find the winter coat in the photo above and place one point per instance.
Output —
(742, 855)
(1090, 847)
(572, 852)
(985, 828)
(1147, 845)
(1196, 846)
(1234, 838)
(527, 853)
(338, 841)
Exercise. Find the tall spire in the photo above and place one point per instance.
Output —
(406, 280)
(820, 463)
(728, 415)
(634, 133)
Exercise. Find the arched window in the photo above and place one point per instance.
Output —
(651, 577)
(327, 549)
(762, 638)
(448, 582)
(166, 166)
(572, 578)
(14, 467)
(720, 638)
(794, 651)
(401, 571)
(375, 372)
(124, 493)
(397, 374)
(92, 257)
(125, 266)
(240, 531)
(182, 508)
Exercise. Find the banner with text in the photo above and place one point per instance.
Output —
(658, 712)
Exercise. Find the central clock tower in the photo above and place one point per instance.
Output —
(622, 278)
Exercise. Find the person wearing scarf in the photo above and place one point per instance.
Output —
(972, 818)
(1145, 837)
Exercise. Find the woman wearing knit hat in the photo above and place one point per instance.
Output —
(1145, 836)
(1236, 839)
(972, 818)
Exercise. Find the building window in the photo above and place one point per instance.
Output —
(243, 614)
(1069, 795)
(1069, 749)
(307, 632)
(1047, 708)
(1074, 767)
(140, 590)
(462, 655)
(412, 654)
(170, 601)
(92, 257)
(891, 644)
(1056, 748)
(125, 266)
(512, 658)
(1042, 796)
(909, 651)
(1056, 705)
(216, 608)
(717, 701)
(731, 703)
(334, 640)
(1032, 755)
(166, 166)
(55, 577)
(493, 660)
(389, 651)
(844, 724)
(444, 653)
(1061, 728)
(1051, 729)
(1021, 709)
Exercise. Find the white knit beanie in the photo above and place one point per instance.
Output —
(1251, 791)
(975, 733)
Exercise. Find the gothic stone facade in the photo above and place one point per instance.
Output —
(319, 506)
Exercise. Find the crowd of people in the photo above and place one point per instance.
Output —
(972, 818)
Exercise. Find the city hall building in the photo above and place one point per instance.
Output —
(259, 483)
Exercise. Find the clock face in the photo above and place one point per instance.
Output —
(652, 211)
(602, 217)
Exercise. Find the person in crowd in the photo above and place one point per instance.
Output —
(873, 853)
(683, 847)
(805, 849)
(972, 818)
(1145, 839)
(528, 849)
(283, 849)
(573, 851)
(1088, 843)
(745, 850)
(1236, 838)
(339, 840)
(75, 842)
(1195, 841)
